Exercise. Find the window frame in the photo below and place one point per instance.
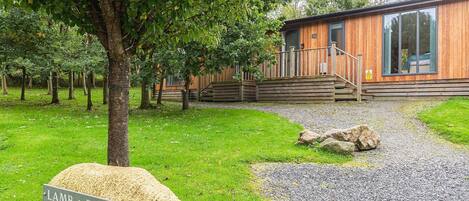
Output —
(174, 80)
(329, 41)
(418, 41)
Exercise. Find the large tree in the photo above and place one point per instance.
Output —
(245, 44)
(146, 69)
(21, 41)
(122, 25)
(319, 7)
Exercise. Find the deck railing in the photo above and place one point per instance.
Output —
(314, 62)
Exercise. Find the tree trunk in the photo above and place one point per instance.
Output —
(160, 90)
(145, 100)
(79, 80)
(186, 93)
(71, 94)
(49, 84)
(153, 91)
(85, 88)
(89, 105)
(93, 82)
(30, 83)
(118, 148)
(105, 89)
(23, 83)
(160, 94)
(4, 85)
(55, 86)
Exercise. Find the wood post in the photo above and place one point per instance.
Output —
(291, 67)
(333, 57)
(359, 78)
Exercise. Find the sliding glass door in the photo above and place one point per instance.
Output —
(409, 41)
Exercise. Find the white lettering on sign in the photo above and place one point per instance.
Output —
(59, 196)
(52, 193)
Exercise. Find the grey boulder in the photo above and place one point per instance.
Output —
(362, 136)
(308, 137)
(337, 146)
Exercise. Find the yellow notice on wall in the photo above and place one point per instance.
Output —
(369, 74)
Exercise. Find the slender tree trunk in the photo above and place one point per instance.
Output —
(71, 94)
(23, 84)
(105, 89)
(93, 82)
(153, 91)
(79, 80)
(145, 100)
(49, 84)
(160, 90)
(4, 85)
(55, 88)
(89, 105)
(153, 86)
(85, 88)
(118, 148)
(30, 83)
(186, 93)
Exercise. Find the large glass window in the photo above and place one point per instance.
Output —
(337, 34)
(174, 80)
(410, 42)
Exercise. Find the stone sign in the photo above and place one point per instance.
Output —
(58, 194)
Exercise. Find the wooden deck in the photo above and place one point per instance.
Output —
(286, 90)
(297, 90)
(323, 89)
(176, 95)
(417, 89)
(229, 91)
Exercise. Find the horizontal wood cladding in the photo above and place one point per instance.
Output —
(231, 91)
(364, 35)
(249, 91)
(175, 95)
(296, 90)
(411, 89)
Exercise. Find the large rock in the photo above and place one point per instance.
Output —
(337, 146)
(113, 183)
(362, 136)
(308, 137)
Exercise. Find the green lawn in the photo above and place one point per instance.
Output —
(201, 154)
(450, 120)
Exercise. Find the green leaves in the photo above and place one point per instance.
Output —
(318, 7)
(21, 40)
(38, 43)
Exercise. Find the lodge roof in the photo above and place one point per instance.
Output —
(386, 8)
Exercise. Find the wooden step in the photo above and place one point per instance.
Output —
(413, 86)
(345, 97)
(340, 85)
(344, 91)
(367, 97)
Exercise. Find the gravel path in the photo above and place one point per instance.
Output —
(411, 164)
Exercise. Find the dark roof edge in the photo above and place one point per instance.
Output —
(289, 24)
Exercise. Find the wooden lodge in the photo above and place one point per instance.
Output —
(411, 49)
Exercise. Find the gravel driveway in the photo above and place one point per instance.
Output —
(411, 164)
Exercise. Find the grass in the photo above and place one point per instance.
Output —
(450, 119)
(201, 154)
